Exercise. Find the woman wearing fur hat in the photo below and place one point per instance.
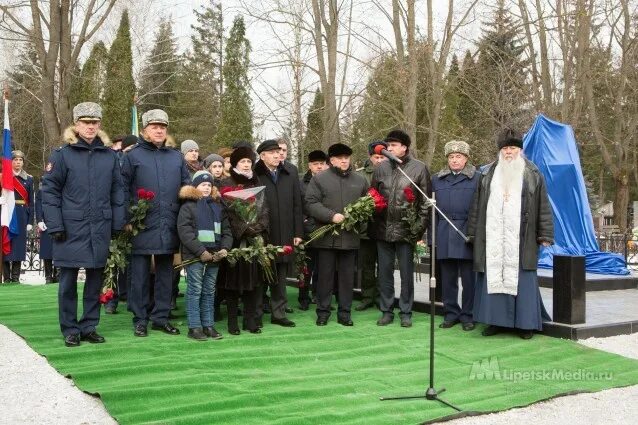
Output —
(244, 279)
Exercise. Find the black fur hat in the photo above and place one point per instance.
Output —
(317, 155)
(398, 136)
(339, 149)
(509, 137)
(241, 153)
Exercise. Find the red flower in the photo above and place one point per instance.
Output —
(287, 250)
(409, 194)
(227, 189)
(145, 194)
(301, 283)
(305, 271)
(379, 201)
(251, 199)
(106, 296)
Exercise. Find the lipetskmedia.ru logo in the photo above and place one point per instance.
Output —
(490, 369)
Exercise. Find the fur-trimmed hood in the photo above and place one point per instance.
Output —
(190, 193)
(71, 137)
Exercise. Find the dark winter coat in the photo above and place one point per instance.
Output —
(187, 227)
(309, 223)
(162, 171)
(390, 182)
(328, 193)
(46, 244)
(537, 225)
(284, 204)
(82, 195)
(454, 195)
(24, 214)
(244, 276)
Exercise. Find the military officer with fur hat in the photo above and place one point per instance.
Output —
(155, 167)
(454, 187)
(83, 203)
(23, 192)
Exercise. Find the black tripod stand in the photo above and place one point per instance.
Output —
(431, 393)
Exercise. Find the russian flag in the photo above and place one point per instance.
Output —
(8, 218)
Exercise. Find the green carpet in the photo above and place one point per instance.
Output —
(307, 374)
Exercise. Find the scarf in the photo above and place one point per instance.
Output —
(209, 223)
(247, 174)
(502, 230)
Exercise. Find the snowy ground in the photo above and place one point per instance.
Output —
(31, 392)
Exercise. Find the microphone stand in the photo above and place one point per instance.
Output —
(430, 393)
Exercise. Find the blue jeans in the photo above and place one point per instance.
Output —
(200, 294)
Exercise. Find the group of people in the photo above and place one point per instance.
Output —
(88, 187)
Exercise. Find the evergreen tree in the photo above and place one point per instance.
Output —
(92, 77)
(197, 106)
(120, 86)
(159, 75)
(236, 115)
(314, 126)
(502, 91)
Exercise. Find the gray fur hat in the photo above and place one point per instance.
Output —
(154, 116)
(87, 111)
(457, 146)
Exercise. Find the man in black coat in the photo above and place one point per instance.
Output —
(317, 162)
(328, 193)
(83, 202)
(283, 195)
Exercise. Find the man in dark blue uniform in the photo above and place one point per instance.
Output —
(82, 201)
(455, 186)
(151, 165)
(23, 192)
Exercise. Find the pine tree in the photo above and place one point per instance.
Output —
(120, 86)
(208, 43)
(159, 75)
(236, 115)
(92, 77)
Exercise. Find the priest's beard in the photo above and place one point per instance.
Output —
(511, 172)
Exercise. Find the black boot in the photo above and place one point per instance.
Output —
(55, 274)
(15, 271)
(6, 272)
(48, 271)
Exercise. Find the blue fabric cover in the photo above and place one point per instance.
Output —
(551, 145)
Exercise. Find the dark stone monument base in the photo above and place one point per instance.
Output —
(594, 282)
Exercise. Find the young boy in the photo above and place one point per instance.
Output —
(204, 231)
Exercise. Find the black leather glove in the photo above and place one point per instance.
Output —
(58, 236)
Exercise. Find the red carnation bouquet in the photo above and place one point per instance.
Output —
(121, 246)
(355, 213)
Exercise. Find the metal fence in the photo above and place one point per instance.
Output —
(623, 244)
(33, 262)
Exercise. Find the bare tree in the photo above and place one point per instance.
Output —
(58, 39)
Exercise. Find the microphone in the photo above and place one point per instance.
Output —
(379, 150)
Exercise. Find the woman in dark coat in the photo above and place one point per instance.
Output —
(244, 278)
